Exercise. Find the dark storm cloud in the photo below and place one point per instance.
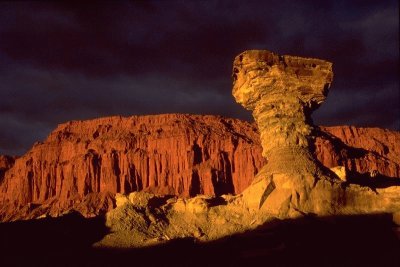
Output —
(355, 107)
(97, 40)
(65, 61)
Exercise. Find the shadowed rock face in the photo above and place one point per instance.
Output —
(6, 162)
(282, 92)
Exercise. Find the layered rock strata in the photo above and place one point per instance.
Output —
(216, 156)
(173, 154)
(282, 92)
(360, 150)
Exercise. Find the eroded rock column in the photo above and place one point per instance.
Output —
(282, 92)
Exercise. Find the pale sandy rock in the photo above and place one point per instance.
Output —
(282, 92)
(180, 205)
(373, 173)
(140, 199)
(121, 199)
(396, 218)
(340, 172)
(197, 204)
(137, 226)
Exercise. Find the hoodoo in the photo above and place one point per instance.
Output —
(282, 92)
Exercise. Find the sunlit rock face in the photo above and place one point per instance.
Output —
(175, 154)
(282, 92)
(82, 164)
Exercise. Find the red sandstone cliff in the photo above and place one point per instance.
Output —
(171, 154)
(361, 150)
(83, 163)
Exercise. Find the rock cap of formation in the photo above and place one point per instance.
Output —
(282, 92)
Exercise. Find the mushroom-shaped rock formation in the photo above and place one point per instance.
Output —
(282, 92)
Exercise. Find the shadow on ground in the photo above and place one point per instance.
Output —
(380, 181)
(335, 241)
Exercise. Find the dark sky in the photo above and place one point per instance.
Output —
(68, 61)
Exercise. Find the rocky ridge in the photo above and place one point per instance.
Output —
(360, 150)
(174, 154)
(216, 156)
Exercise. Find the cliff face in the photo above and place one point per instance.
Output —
(361, 150)
(170, 154)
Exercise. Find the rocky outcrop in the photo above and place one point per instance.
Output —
(216, 156)
(174, 154)
(282, 92)
(360, 150)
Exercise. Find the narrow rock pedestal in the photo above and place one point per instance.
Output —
(282, 92)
